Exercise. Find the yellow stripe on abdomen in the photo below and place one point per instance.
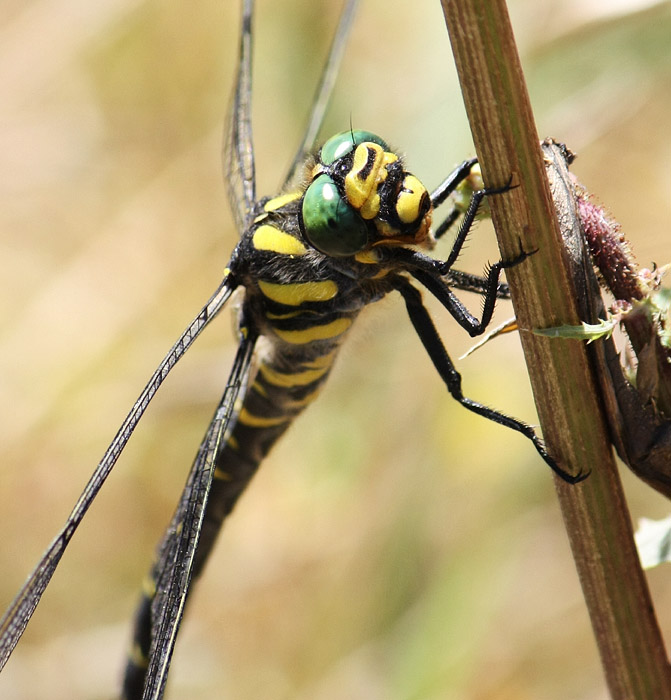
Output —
(322, 360)
(252, 421)
(290, 379)
(309, 335)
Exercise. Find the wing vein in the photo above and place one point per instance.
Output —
(174, 567)
(23, 606)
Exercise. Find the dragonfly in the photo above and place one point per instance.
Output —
(351, 224)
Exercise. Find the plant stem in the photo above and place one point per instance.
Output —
(566, 393)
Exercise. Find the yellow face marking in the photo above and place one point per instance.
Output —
(288, 379)
(410, 198)
(252, 421)
(357, 188)
(308, 335)
(268, 237)
(279, 202)
(387, 232)
(362, 191)
(221, 475)
(299, 292)
(371, 207)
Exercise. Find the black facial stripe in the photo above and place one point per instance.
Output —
(365, 171)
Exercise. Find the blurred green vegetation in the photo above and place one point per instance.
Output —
(393, 546)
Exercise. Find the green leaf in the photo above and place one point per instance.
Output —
(585, 331)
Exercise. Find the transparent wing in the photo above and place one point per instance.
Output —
(324, 89)
(174, 565)
(238, 154)
(21, 610)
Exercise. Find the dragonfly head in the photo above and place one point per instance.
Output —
(361, 196)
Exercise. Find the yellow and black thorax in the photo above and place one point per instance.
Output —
(311, 260)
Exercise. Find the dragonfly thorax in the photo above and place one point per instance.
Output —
(361, 196)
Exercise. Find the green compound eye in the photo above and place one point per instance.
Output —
(341, 144)
(330, 225)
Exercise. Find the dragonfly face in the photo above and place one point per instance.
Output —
(360, 196)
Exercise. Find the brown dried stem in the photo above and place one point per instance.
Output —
(566, 392)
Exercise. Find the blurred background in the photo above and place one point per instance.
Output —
(394, 546)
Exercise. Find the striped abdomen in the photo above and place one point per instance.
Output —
(302, 323)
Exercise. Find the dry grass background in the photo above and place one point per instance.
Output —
(394, 546)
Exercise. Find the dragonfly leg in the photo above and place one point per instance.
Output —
(451, 182)
(445, 189)
(434, 346)
(469, 218)
(491, 290)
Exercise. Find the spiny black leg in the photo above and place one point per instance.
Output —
(451, 182)
(469, 218)
(434, 346)
(459, 312)
(474, 283)
(445, 225)
(445, 189)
